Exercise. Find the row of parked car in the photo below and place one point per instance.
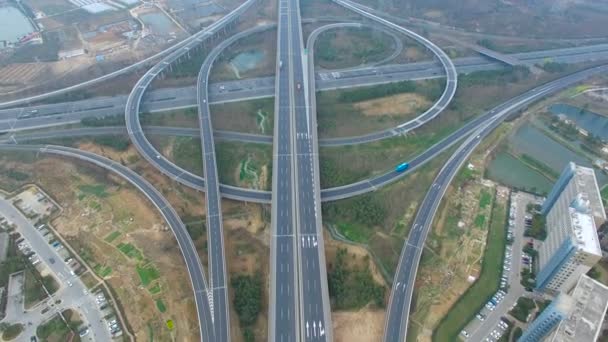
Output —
(27, 251)
(501, 327)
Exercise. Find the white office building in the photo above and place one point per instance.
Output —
(573, 212)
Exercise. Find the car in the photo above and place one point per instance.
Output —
(464, 333)
(481, 317)
(33, 339)
(299, 86)
(69, 283)
(402, 167)
(83, 332)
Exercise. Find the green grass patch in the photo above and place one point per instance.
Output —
(160, 305)
(485, 200)
(486, 285)
(147, 274)
(538, 165)
(155, 289)
(112, 236)
(348, 47)
(98, 190)
(116, 142)
(480, 220)
(130, 251)
(150, 332)
(11, 331)
(17, 175)
(522, 310)
(604, 193)
(58, 330)
(103, 271)
(187, 152)
(34, 287)
(355, 232)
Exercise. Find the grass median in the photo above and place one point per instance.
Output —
(486, 285)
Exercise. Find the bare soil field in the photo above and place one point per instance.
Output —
(402, 104)
(87, 221)
(360, 326)
(18, 77)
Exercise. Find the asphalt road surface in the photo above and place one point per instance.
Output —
(173, 98)
(315, 312)
(73, 296)
(366, 185)
(283, 322)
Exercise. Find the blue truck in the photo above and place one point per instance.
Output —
(402, 167)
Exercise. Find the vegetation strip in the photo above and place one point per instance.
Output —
(484, 287)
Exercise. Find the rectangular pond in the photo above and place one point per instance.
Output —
(14, 24)
(531, 141)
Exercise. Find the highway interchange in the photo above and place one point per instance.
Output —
(299, 298)
(174, 98)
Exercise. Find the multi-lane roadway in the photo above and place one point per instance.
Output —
(220, 307)
(300, 309)
(283, 322)
(173, 98)
(315, 313)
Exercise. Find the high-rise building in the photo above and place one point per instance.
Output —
(576, 317)
(573, 210)
(548, 319)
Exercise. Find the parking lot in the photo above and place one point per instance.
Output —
(490, 322)
(49, 256)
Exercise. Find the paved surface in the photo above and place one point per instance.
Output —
(75, 296)
(149, 152)
(480, 330)
(405, 276)
(193, 263)
(283, 322)
(371, 184)
(173, 98)
(315, 318)
(220, 306)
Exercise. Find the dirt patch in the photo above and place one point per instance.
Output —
(402, 104)
(86, 222)
(363, 325)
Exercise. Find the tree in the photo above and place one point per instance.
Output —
(247, 297)
(594, 273)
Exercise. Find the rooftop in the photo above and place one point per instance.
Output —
(585, 232)
(588, 187)
(584, 323)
